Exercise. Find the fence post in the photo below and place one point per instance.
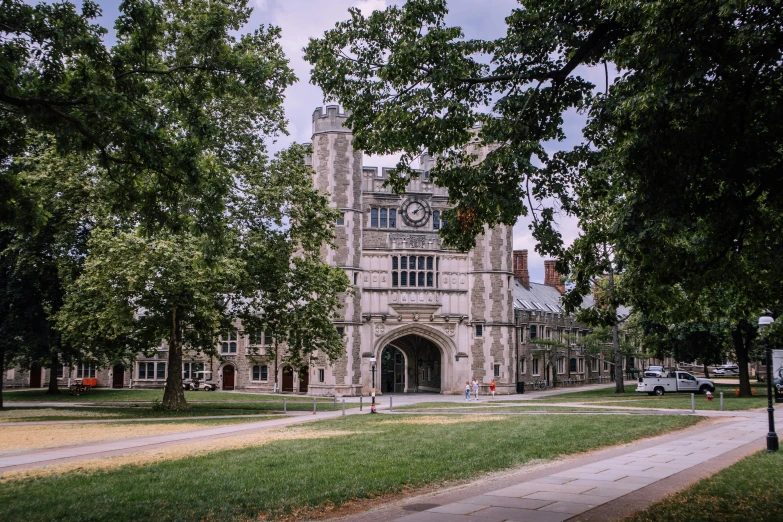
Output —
(721, 401)
(285, 406)
(314, 405)
(693, 403)
(390, 403)
(360, 402)
(335, 403)
(343, 406)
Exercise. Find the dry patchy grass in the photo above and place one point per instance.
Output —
(14, 439)
(179, 451)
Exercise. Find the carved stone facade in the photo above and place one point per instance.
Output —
(449, 314)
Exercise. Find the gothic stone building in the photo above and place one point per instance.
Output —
(431, 317)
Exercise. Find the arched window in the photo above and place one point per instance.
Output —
(436, 220)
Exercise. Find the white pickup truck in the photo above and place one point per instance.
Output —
(674, 382)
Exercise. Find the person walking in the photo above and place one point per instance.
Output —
(492, 387)
(475, 387)
(467, 391)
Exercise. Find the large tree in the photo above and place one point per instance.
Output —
(688, 134)
(186, 287)
(39, 263)
(177, 102)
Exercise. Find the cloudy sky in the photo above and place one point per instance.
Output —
(303, 19)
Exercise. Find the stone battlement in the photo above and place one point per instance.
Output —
(331, 120)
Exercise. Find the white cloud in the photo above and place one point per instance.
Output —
(368, 6)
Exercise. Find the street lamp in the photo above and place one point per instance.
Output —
(772, 437)
(372, 363)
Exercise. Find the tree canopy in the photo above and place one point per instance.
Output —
(169, 111)
(685, 142)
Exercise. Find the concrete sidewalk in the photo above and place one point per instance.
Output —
(607, 488)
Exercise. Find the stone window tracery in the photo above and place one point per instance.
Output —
(414, 271)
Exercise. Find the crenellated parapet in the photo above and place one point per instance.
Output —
(330, 120)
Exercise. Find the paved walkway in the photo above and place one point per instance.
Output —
(579, 491)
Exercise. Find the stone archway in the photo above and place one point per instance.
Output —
(427, 355)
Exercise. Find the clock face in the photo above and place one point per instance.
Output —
(415, 212)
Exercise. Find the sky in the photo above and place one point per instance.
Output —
(300, 20)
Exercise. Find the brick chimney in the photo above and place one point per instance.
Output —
(552, 277)
(520, 267)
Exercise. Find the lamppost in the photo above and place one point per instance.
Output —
(772, 437)
(372, 363)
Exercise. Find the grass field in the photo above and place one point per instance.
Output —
(487, 407)
(631, 398)
(108, 395)
(748, 490)
(295, 478)
(139, 404)
(16, 414)
(24, 437)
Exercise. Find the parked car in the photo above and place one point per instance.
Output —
(727, 369)
(203, 381)
(654, 371)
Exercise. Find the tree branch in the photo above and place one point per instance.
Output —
(590, 44)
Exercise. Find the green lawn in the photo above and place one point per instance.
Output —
(485, 407)
(108, 395)
(13, 414)
(384, 454)
(631, 398)
(747, 491)
(137, 403)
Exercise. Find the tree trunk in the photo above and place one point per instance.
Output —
(741, 351)
(619, 381)
(174, 395)
(53, 388)
(2, 375)
(277, 387)
(706, 371)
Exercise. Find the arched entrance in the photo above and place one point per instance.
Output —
(304, 379)
(288, 379)
(411, 363)
(228, 377)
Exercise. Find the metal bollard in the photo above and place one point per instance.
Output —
(343, 406)
(390, 403)
(693, 403)
(721, 401)
(285, 406)
(314, 406)
(360, 402)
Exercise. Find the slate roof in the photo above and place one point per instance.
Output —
(545, 298)
(541, 298)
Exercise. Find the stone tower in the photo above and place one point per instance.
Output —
(491, 302)
(338, 173)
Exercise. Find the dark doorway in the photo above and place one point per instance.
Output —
(392, 371)
(118, 376)
(413, 364)
(35, 377)
(228, 377)
(304, 379)
(288, 379)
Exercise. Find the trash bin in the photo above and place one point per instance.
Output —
(520, 387)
